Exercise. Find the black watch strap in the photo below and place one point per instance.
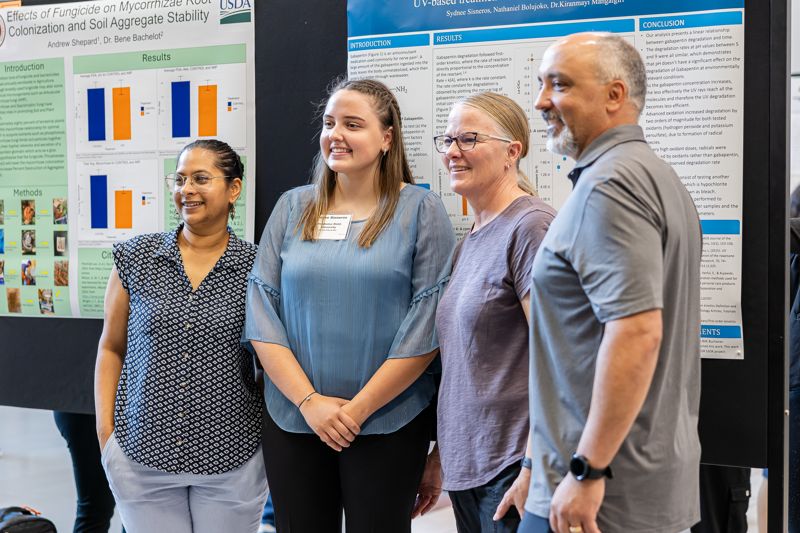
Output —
(527, 462)
(580, 467)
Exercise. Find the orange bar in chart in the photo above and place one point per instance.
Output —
(123, 209)
(464, 206)
(121, 97)
(207, 110)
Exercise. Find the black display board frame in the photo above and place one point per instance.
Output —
(300, 48)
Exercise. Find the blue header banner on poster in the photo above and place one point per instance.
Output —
(532, 32)
(726, 18)
(395, 41)
(721, 227)
(711, 331)
(371, 17)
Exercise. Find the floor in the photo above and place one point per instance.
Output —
(35, 470)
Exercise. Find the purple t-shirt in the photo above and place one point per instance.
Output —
(483, 336)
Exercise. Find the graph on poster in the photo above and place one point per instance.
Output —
(117, 199)
(115, 111)
(159, 109)
(201, 102)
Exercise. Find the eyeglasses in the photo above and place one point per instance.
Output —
(465, 142)
(200, 180)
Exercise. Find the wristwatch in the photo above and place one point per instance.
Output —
(580, 468)
(527, 462)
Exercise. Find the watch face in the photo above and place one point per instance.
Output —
(578, 467)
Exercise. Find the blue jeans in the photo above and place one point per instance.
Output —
(153, 500)
(534, 524)
(474, 508)
(268, 516)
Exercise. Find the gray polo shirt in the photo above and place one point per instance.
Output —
(626, 241)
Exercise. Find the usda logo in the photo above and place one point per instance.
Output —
(2, 30)
(233, 11)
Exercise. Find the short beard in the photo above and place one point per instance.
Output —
(564, 143)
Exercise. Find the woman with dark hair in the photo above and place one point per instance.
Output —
(340, 311)
(178, 411)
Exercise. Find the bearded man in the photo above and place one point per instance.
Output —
(615, 312)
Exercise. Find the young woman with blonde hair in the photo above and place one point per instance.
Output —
(341, 309)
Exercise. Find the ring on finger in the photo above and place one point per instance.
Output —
(575, 529)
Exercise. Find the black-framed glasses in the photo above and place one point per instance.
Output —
(200, 180)
(465, 141)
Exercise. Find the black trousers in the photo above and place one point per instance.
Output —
(374, 481)
(95, 501)
(724, 496)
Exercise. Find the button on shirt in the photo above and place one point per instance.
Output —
(187, 401)
(343, 309)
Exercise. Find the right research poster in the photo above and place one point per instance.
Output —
(434, 52)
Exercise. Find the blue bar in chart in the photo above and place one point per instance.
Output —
(180, 109)
(98, 191)
(97, 114)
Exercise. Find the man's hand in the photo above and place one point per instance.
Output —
(515, 495)
(575, 505)
(430, 488)
(325, 417)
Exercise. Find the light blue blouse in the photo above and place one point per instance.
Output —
(343, 310)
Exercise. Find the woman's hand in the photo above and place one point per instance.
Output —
(325, 417)
(430, 488)
(357, 412)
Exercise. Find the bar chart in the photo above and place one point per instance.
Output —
(116, 112)
(117, 199)
(121, 113)
(181, 109)
(160, 109)
(204, 101)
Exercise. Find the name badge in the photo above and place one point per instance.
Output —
(333, 227)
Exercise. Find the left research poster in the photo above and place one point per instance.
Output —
(96, 100)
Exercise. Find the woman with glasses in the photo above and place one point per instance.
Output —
(340, 310)
(178, 411)
(482, 317)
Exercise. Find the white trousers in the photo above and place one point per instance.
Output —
(153, 501)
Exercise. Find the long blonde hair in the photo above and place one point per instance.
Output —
(511, 120)
(393, 168)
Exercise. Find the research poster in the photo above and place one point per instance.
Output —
(96, 100)
(434, 52)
